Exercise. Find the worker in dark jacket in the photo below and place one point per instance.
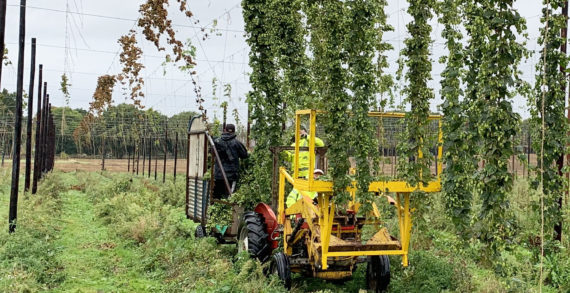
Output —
(231, 151)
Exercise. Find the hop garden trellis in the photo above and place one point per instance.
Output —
(345, 71)
(479, 123)
(345, 55)
(485, 119)
(478, 84)
(156, 25)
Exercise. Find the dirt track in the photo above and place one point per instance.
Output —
(112, 165)
(116, 165)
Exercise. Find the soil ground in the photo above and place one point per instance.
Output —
(112, 165)
(122, 165)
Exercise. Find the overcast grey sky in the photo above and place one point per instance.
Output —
(93, 28)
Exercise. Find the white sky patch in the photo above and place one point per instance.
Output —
(95, 26)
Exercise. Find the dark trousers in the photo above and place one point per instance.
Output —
(220, 190)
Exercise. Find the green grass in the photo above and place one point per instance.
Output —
(28, 258)
(94, 258)
(93, 232)
(4, 193)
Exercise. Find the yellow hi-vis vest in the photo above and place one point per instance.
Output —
(303, 156)
(295, 195)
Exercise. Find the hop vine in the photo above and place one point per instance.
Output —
(130, 59)
(493, 27)
(155, 23)
(266, 103)
(363, 42)
(103, 96)
(418, 94)
(289, 47)
(456, 181)
(550, 83)
(327, 55)
(329, 26)
(64, 87)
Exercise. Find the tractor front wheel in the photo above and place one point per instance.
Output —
(280, 266)
(378, 273)
(200, 232)
(253, 238)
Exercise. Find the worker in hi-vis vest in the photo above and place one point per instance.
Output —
(295, 195)
(303, 155)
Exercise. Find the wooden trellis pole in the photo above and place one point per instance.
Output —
(528, 155)
(38, 125)
(175, 155)
(138, 156)
(149, 156)
(45, 120)
(143, 154)
(51, 142)
(13, 213)
(155, 165)
(30, 114)
(103, 154)
(41, 131)
(2, 31)
(134, 148)
(128, 161)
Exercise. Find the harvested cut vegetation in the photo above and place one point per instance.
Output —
(154, 223)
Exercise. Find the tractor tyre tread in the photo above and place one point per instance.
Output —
(378, 273)
(281, 265)
(258, 245)
(200, 232)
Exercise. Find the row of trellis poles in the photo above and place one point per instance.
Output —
(157, 144)
(44, 156)
(45, 128)
(144, 147)
(149, 145)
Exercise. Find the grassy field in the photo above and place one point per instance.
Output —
(110, 232)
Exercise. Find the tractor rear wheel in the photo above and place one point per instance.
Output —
(253, 238)
(200, 232)
(378, 273)
(280, 266)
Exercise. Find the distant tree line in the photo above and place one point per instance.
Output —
(121, 128)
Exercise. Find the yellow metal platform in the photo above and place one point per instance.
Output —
(327, 237)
